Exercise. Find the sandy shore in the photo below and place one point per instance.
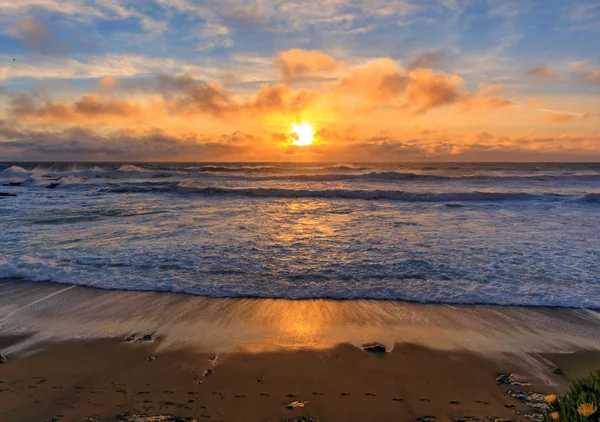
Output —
(247, 359)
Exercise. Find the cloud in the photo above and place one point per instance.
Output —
(486, 98)
(296, 63)
(542, 72)
(427, 89)
(560, 117)
(36, 36)
(76, 143)
(378, 82)
(95, 67)
(151, 144)
(379, 86)
(427, 60)
(585, 72)
(90, 108)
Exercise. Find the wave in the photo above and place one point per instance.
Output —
(591, 198)
(14, 171)
(407, 176)
(419, 289)
(123, 172)
(392, 195)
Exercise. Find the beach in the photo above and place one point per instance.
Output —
(80, 353)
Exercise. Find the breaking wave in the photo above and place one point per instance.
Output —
(393, 195)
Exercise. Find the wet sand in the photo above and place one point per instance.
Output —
(246, 359)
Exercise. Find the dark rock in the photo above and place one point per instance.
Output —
(147, 337)
(150, 358)
(213, 358)
(7, 194)
(454, 402)
(3, 359)
(125, 417)
(504, 378)
(533, 400)
(374, 348)
(208, 372)
(131, 338)
(53, 185)
(509, 379)
(556, 370)
(54, 418)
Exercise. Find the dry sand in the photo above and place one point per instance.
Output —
(68, 356)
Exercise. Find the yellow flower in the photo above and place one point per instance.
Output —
(554, 415)
(587, 409)
(550, 399)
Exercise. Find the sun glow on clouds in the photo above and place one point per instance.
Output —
(302, 134)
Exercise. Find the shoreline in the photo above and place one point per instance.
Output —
(50, 310)
(67, 355)
(300, 299)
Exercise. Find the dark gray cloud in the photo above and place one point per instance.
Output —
(542, 72)
(78, 143)
(427, 60)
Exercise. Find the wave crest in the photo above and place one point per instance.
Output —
(392, 195)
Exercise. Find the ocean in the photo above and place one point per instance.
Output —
(494, 233)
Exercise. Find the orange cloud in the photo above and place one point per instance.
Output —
(426, 89)
(297, 63)
(378, 92)
(88, 107)
(560, 117)
(378, 81)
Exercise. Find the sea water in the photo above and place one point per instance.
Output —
(510, 234)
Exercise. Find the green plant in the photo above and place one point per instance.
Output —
(580, 404)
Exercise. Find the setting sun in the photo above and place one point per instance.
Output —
(303, 134)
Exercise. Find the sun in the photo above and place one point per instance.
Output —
(303, 134)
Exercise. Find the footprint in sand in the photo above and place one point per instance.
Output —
(316, 393)
(292, 395)
(265, 394)
(424, 399)
(397, 399)
(240, 396)
(344, 394)
(454, 402)
(370, 394)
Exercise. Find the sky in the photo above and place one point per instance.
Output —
(225, 80)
